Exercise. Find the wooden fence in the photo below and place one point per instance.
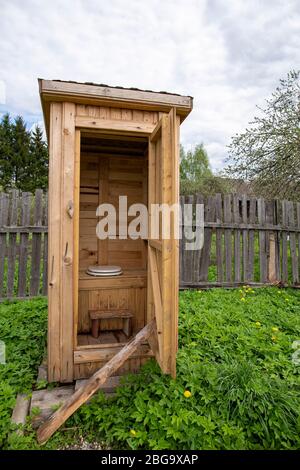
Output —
(247, 240)
(23, 244)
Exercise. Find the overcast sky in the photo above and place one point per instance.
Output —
(227, 54)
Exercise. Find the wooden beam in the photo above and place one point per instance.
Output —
(54, 244)
(114, 93)
(85, 392)
(76, 233)
(82, 356)
(87, 122)
(67, 241)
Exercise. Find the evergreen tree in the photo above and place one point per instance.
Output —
(6, 152)
(38, 165)
(23, 156)
(20, 154)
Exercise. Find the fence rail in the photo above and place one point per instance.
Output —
(246, 240)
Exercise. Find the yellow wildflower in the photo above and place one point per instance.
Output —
(274, 338)
(243, 299)
(258, 324)
(187, 394)
(275, 329)
(132, 432)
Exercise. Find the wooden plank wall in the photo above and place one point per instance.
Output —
(102, 180)
(246, 240)
(23, 244)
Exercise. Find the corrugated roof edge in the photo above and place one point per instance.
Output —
(117, 87)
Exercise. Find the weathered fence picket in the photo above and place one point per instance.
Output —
(23, 244)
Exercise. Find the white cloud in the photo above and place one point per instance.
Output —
(228, 55)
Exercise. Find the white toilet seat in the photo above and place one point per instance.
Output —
(104, 271)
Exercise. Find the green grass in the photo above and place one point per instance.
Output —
(235, 359)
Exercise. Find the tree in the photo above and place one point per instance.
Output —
(39, 160)
(23, 156)
(267, 154)
(6, 151)
(196, 175)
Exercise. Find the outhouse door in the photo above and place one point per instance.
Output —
(163, 195)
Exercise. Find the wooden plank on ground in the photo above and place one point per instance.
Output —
(92, 385)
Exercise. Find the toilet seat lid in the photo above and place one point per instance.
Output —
(99, 270)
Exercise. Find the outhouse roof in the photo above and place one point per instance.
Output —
(116, 96)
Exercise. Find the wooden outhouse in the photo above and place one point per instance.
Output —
(105, 142)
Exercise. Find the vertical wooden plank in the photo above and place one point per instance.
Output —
(298, 235)
(197, 253)
(219, 238)
(284, 260)
(4, 204)
(54, 240)
(209, 214)
(245, 237)
(237, 239)
(188, 255)
(251, 252)
(182, 242)
(293, 246)
(23, 249)
(45, 248)
(169, 160)
(12, 243)
(228, 238)
(270, 242)
(277, 239)
(151, 200)
(36, 244)
(103, 198)
(67, 238)
(76, 234)
(261, 210)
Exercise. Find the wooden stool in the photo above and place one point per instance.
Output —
(97, 315)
